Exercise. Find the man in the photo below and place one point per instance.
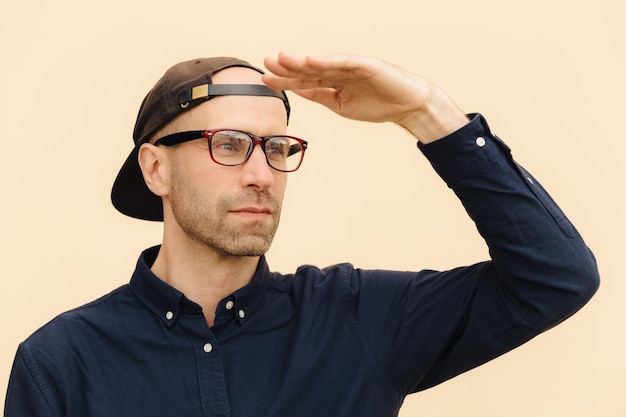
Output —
(205, 329)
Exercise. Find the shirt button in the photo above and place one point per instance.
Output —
(229, 305)
(208, 348)
(169, 315)
(242, 314)
(480, 141)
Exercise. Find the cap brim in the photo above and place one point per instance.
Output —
(130, 194)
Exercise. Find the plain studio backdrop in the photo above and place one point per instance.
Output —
(548, 75)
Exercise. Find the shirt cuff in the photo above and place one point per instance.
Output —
(466, 152)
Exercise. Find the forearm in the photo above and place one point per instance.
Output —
(533, 245)
(540, 272)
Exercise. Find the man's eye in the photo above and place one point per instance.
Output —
(278, 150)
(225, 146)
(277, 147)
(230, 144)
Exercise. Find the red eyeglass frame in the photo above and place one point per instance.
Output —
(182, 137)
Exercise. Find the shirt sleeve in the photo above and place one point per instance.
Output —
(425, 327)
(26, 396)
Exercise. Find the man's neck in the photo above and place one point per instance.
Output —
(204, 276)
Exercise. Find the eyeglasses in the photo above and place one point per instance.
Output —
(233, 147)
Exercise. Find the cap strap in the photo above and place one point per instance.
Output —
(208, 91)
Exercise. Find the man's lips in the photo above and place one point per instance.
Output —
(252, 212)
(265, 210)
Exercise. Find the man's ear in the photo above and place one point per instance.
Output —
(154, 164)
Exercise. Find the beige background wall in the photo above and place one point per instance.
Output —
(548, 75)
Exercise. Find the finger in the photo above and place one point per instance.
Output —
(292, 62)
(283, 83)
(304, 65)
(315, 64)
(287, 65)
(336, 66)
(275, 67)
(332, 62)
(343, 66)
(290, 72)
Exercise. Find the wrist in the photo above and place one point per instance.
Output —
(437, 118)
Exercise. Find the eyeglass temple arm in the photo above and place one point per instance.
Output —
(295, 148)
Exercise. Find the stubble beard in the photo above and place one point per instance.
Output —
(208, 222)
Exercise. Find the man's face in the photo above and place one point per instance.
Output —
(233, 210)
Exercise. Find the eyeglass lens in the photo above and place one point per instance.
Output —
(229, 147)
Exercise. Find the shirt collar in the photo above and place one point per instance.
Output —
(168, 303)
(244, 302)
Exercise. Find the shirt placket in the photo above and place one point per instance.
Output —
(209, 367)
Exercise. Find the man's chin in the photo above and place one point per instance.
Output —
(246, 245)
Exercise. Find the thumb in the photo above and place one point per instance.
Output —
(324, 96)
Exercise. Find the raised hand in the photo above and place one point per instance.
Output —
(367, 89)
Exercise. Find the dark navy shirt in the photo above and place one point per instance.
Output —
(327, 342)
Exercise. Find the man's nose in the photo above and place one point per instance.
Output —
(257, 172)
